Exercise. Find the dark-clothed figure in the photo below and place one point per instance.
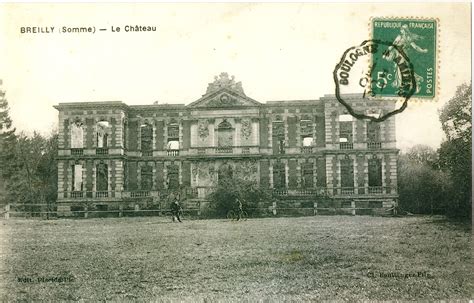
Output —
(175, 209)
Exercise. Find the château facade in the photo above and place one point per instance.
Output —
(115, 156)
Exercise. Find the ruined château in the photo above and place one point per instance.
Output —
(113, 156)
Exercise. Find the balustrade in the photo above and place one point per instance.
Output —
(224, 150)
(346, 145)
(172, 152)
(147, 153)
(102, 151)
(101, 194)
(77, 151)
(374, 145)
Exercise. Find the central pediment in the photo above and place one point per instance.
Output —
(224, 92)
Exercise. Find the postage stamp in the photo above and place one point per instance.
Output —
(417, 39)
(354, 74)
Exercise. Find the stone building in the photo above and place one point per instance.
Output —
(116, 157)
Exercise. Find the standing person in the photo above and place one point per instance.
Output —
(239, 208)
(176, 208)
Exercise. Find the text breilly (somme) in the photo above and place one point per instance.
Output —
(345, 66)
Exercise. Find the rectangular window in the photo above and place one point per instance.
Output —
(173, 176)
(173, 129)
(103, 129)
(345, 132)
(124, 135)
(146, 178)
(146, 136)
(373, 135)
(375, 173)
(347, 173)
(306, 126)
(102, 177)
(278, 137)
(307, 180)
(279, 175)
(373, 132)
(77, 177)
(77, 135)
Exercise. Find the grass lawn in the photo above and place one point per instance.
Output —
(306, 258)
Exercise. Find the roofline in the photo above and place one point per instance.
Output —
(120, 104)
(90, 104)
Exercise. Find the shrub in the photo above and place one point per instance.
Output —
(223, 199)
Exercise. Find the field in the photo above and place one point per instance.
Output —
(307, 258)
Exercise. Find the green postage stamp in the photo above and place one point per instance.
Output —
(417, 39)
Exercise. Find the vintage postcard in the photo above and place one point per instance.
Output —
(228, 152)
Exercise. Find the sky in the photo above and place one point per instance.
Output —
(278, 51)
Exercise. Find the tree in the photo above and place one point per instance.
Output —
(28, 168)
(456, 115)
(456, 152)
(7, 142)
(32, 183)
(422, 154)
(47, 171)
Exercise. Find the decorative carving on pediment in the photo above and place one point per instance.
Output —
(203, 129)
(224, 100)
(246, 128)
(223, 81)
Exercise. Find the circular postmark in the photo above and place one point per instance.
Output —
(359, 70)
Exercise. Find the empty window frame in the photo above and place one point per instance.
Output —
(347, 173)
(103, 129)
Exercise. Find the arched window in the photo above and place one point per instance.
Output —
(77, 135)
(225, 134)
(103, 130)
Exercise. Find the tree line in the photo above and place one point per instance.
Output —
(440, 181)
(28, 166)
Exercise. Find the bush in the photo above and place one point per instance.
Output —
(423, 188)
(223, 199)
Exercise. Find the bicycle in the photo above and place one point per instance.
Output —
(181, 214)
(234, 215)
